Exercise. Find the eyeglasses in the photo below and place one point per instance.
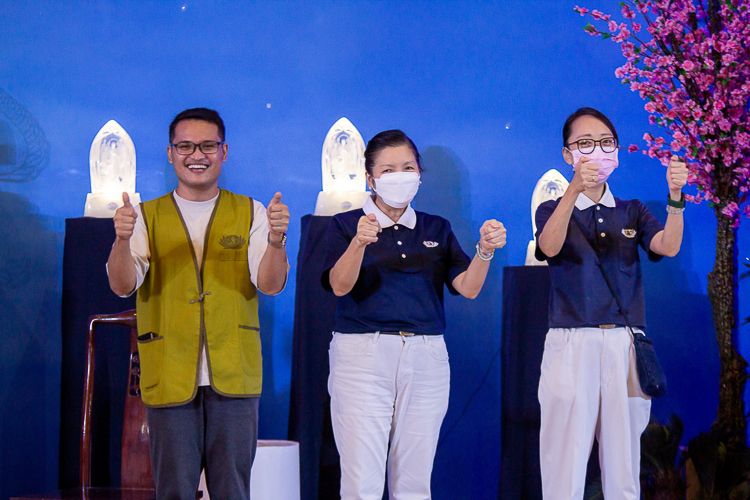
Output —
(187, 148)
(586, 146)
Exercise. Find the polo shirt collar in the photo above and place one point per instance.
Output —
(583, 202)
(408, 218)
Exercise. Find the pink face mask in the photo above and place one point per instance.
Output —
(607, 162)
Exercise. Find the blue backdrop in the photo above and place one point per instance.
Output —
(483, 89)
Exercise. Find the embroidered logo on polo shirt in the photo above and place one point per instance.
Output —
(629, 233)
(430, 244)
(232, 241)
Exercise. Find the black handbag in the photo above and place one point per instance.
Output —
(650, 375)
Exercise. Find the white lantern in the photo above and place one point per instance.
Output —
(551, 186)
(112, 167)
(343, 165)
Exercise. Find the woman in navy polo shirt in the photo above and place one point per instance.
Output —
(389, 377)
(589, 385)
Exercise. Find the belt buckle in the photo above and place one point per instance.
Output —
(607, 327)
(405, 334)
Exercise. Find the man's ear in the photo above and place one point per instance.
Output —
(225, 146)
(169, 154)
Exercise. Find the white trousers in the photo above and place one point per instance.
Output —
(589, 387)
(387, 388)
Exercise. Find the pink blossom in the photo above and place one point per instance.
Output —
(730, 210)
(633, 148)
(623, 35)
(703, 106)
(598, 15)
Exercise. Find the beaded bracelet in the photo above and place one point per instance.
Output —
(674, 211)
(484, 256)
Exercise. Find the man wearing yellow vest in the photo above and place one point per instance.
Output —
(197, 257)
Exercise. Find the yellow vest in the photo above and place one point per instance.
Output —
(188, 305)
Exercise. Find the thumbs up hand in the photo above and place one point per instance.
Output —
(124, 219)
(278, 217)
(368, 228)
(677, 174)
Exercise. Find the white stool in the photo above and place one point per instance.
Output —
(275, 472)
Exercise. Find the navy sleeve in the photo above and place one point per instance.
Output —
(458, 261)
(648, 227)
(337, 241)
(543, 213)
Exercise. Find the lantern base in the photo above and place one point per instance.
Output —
(103, 206)
(335, 202)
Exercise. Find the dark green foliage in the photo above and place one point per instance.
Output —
(661, 477)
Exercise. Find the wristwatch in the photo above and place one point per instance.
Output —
(277, 244)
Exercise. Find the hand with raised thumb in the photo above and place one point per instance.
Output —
(125, 218)
(677, 174)
(586, 175)
(278, 217)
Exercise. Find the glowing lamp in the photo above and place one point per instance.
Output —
(551, 186)
(112, 166)
(343, 164)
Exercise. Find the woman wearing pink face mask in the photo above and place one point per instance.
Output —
(589, 386)
(389, 382)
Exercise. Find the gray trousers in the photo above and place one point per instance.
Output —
(212, 431)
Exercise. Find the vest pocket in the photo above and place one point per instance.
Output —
(151, 352)
(250, 355)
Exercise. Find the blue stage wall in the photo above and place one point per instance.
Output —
(483, 89)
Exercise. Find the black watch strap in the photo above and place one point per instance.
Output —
(676, 204)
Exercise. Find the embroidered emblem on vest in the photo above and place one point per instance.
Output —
(233, 241)
(629, 233)
(430, 244)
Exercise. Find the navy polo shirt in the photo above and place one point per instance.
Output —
(400, 284)
(580, 296)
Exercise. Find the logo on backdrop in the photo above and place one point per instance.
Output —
(24, 150)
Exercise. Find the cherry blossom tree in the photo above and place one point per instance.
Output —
(690, 61)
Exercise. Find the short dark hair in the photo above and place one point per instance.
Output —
(566, 131)
(388, 139)
(202, 114)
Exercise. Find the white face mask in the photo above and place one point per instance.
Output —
(607, 162)
(397, 189)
